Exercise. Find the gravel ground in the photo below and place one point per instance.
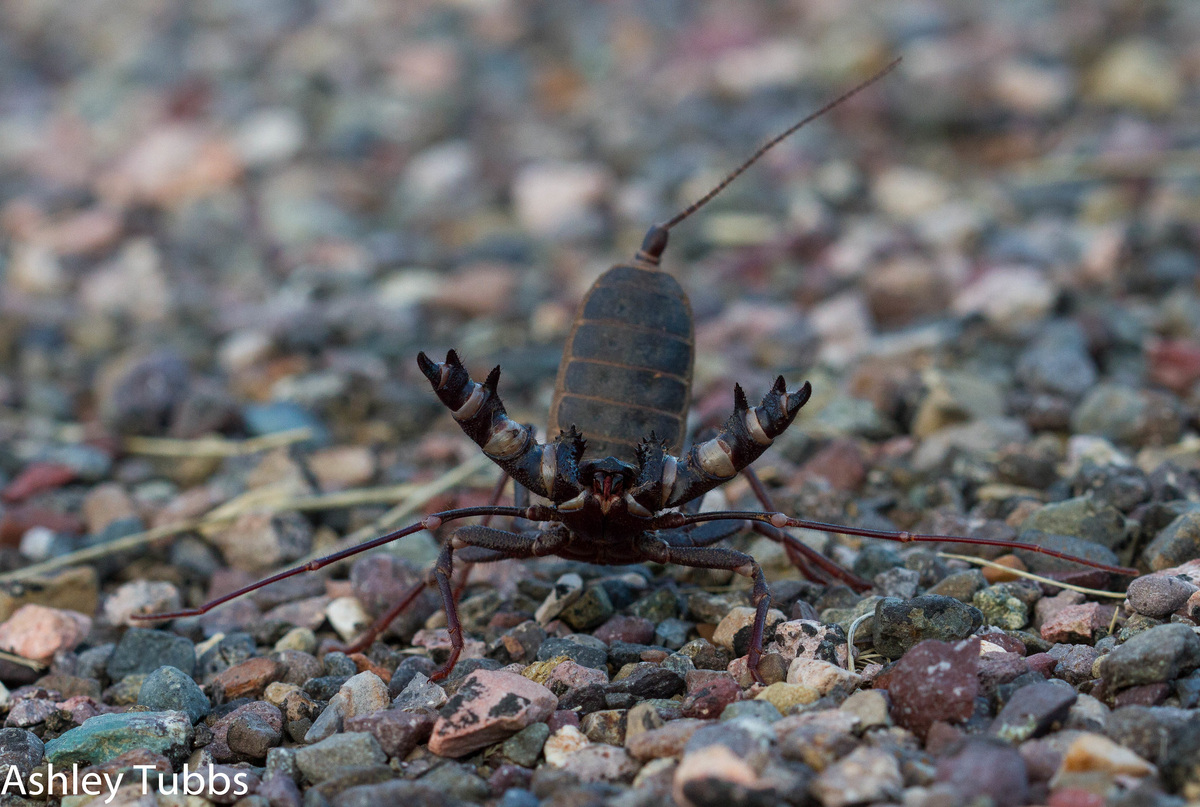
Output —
(229, 227)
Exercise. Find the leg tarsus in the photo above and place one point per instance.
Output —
(714, 557)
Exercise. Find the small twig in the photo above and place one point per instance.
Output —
(13, 658)
(1095, 592)
(413, 497)
(419, 496)
(214, 446)
(850, 639)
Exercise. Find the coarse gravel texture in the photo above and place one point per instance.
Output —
(238, 219)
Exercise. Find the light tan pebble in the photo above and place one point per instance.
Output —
(1090, 753)
(302, 639)
(104, 504)
(343, 467)
(562, 744)
(821, 675)
(348, 617)
(739, 618)
(870, 706)
(276, 692)
(140, 597)
(785, 697)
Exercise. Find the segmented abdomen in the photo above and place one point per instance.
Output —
(626, 370)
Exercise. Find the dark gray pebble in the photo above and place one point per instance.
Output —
(142, 651)
(1159, 654)
(1032, 711)
(594, 657)
(406, 670)
(19, 749)
(336, 663)
(649, 681)
(169, 688)
(986, 768)
(901, 624)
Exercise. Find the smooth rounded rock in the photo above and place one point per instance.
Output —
(169, 688)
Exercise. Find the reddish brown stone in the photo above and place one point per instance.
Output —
(398, 732)
(708, 693)
(1077, 623)
(934, 681)
(489, 706)
(35, 478)
(250, 677)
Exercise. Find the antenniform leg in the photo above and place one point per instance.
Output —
(549, 470)
(495, 544)
(665, 481)
(719, 558)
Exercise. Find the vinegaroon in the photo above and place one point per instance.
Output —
(626, 494)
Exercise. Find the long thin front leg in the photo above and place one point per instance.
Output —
(507, 544)
(430, 522)
(368, 637)
(799, 553)
(670, 521)
(712, 557)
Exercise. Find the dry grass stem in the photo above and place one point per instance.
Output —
(1095, 592)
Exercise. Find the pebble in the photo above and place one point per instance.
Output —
(787, 697)
(107, 736)
(668, 740)
(251, 735)
(1095, 753)
(900, 624)
(489, 707)
(810, 639)
(934, 681)
(1136, 73)
(37, 632)
(142, 651)
(248, 678)
(257, 542)
(19, 749)
(600, 763)
(605, 726)
(708, 693)
(137, 394)
(364, 693)
(1158, 595)
(420, 693)
(342, 467)
(986, 769)
(140, 597)
(863, 776)
(869, 707)
(822, 676)
(323, 760)
(552, 199)
(398, 733)
(524, 747)
(170, 689)
(1160, 654)
(1033, 710)
(1178, 543)
(594, 657)
(562, 744)
(632, 629)
(1077, 623)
